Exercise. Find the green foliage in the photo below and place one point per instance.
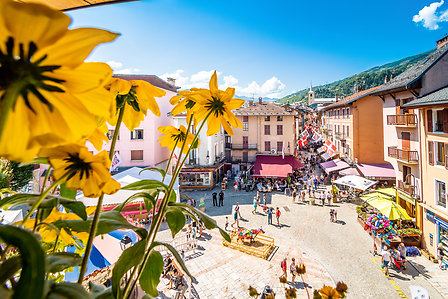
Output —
(372, 77)
(59, 261)
(150, 277)
(13, 175)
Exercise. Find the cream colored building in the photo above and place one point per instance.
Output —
(268, 128)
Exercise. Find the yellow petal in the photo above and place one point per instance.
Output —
(213, 125)
(111, 186)
(213, 85)
(146, 94)
(75, 46)
(120, 86)
(235, 104)
(34, 22)
(226, 127)
(175, 99)
(97, 139)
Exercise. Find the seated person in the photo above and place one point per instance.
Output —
(174, 275)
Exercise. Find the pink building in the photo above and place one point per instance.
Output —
(140, 147)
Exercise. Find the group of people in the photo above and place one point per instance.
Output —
(193, 231)
(390, 255)
(171, 272)
(215, 199)
(292, 268)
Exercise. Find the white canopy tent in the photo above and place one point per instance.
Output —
(125, 178)
(10, 216)
(355, 181)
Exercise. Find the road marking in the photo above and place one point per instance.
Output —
(390, 279)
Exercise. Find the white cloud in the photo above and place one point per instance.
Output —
(429, 17)
(272, 87)
(127, 71)
(115, 64)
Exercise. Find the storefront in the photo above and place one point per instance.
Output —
(201, 178)
(442, 230)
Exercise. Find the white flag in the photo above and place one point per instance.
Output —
(116, 160)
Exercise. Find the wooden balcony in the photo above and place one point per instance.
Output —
(403, 155)
(407, 188)
(243, 146)
(402, 120)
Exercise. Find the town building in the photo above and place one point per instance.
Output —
(204, 167)
(400, 123)
(268, 129)
(140, 147)
(319, 102)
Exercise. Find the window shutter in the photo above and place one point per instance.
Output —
(446, 155)
(429, 120)
(430, 153)
(445, 120)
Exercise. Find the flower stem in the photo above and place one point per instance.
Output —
(169, 160)
(99, 205)
(157, 222)
(8, 101)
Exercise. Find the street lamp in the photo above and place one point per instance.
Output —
(125, 243)
(208, 157)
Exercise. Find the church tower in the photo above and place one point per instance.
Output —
(311, 95)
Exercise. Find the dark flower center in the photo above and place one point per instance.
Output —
(179, 137)
(215, 106)
(77, 166)
(32, 75)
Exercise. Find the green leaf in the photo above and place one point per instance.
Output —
(147, 197)
(130, 258)
(32, 277)
(146, 185)
(62, 260)
(209, 222)
(173, 196)
(176, 256)
(5, 294)
(66, 192)
(161, 171)
(67, 290)
(109, 221)
(36, 161)
(106, 294)
(150, 278)
(175, 219)
(96, 288)
(9, 267)
(17, 199)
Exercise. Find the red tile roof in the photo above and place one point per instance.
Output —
(352, 98)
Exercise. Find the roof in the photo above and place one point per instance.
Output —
(263, 109)
(377, 171)
(434, 98)
(75, 4)
(275, 166)
(353, 98)
(334, 165)
(153, 79)
(412, 74)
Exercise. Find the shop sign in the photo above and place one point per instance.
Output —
(441, 223)
(429, 216)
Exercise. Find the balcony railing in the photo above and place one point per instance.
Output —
(404, 155)
(340, 136)
(241, 146)
(407, 188)
(402, 120)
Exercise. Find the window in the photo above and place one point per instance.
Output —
(245, 126)
(279, 129)
(347, 112)
(279, 146)
(137, 155)
(439, 123)
(429, 120)
(267, 146)
(348, 131)
(267, 130)
(430, 153)
(279, 118)
(245, 119)
(245, 142)
(245, 156)
(343, 113)
(137, 134)
(110, 135)
(440, 194)
(440, 153)
(267, 118)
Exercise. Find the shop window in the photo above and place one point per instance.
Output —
(203, 179)
(245, 119)
(280, 118)
(279, 129)
(267, 118)
(137, 134)
(188, 179)
(245, 126)
(137, 155)
(267, 146)
(267, 130)
(279, 146)
(440, 194)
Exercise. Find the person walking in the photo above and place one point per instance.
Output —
(255, 205)
(402, 250)
(441, 255)
(292, 269)
(264, 200)
(215, 200)
(269, 213)
(277, 214)
(221, 199)
(294, 194)
(227, 223)
(236, 213)
(284, 267)
(235, 186)
(385, 259)
(329, 198)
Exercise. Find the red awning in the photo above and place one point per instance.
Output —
(275, 166)
(377, 171)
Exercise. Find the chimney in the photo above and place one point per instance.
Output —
(337, 98)
(443, 41)
(251, 103)
(171, 81)
(386, 79)
(260, 100)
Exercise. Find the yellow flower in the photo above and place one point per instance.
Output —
(49, 96)
(185, 101)
(139, 97)
(88, 172)
(218, 105)
(176, 137)
(49, 234)
(328, 292)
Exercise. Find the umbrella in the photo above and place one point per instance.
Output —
(355, 181)
(388, 208)
(106, 251)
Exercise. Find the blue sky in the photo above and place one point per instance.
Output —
(263, 48)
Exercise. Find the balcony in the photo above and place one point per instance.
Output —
(339, 136)
(407, 188)
(402, 120)
(241, 146)
(407, 156)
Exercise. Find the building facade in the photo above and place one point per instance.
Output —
(268, 128)
(140, 147)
